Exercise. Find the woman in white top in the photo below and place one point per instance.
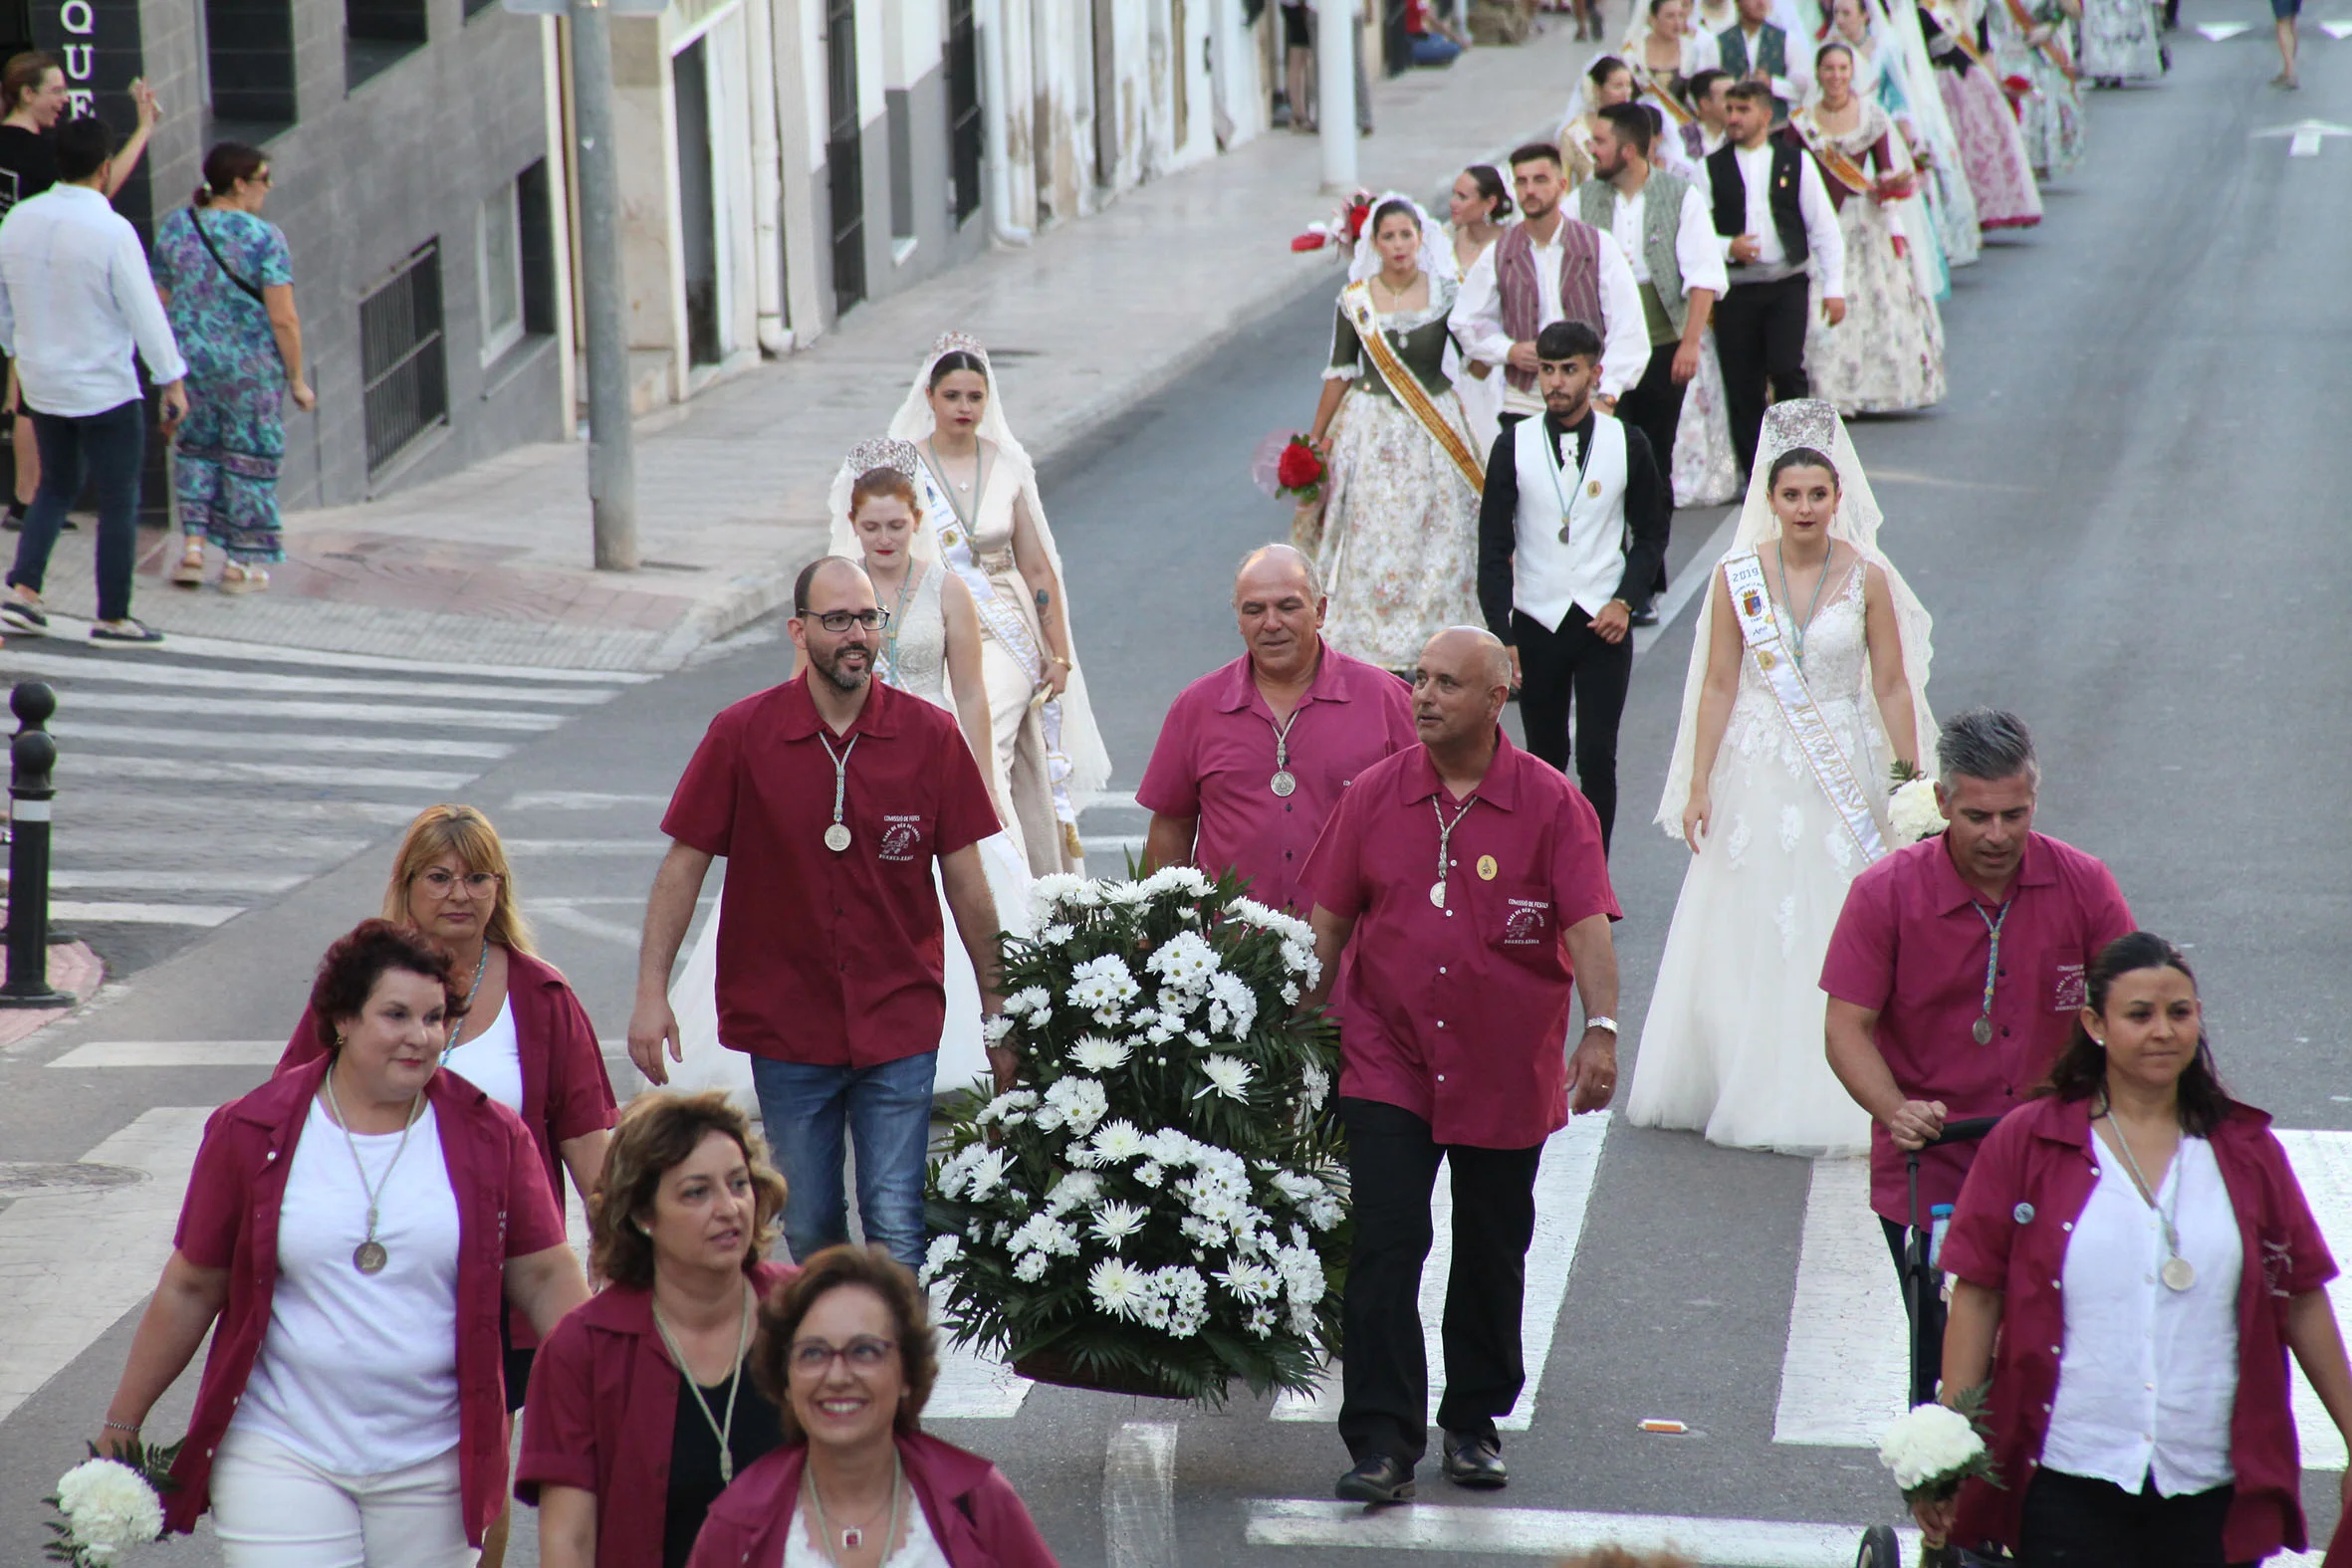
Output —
(1479, 208)
(847, 1353)
(524, 1038)
(2132, 1260)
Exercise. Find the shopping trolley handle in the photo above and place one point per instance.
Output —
(1967, 1130)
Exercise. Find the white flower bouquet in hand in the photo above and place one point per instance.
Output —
(1934, 1448)
(1158, 1204)
(1912, 811)
(110, 1505)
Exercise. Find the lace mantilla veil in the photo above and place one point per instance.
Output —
(1082, 741)
(1437, 253)
(1806, 422)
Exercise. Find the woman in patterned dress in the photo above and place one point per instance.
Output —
(1990, 146)
(1399, 549)
(2049, 111)
(227, 280)
(2121, 42)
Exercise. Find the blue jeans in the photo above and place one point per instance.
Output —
(1431, 49)
(887, 1110)
(106, 448)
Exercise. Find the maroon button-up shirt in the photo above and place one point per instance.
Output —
(1459, 1015)
(832, 959)
(1911, 945)
(1215, 761)
(2031, 1178)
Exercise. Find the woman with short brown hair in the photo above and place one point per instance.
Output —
(847, 1353)
(622, 1453)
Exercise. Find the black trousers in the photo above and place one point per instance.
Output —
(1574, 665)
(1931, 1346)
(1759, 336)
(1653, 405)
(1393, 1166)
(2071, 1521)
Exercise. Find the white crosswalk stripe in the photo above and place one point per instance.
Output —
(298, 759)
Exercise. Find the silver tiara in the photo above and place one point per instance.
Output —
(957, 342)
(882, 452)
(1801, 421)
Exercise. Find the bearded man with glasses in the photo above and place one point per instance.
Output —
(833, 797)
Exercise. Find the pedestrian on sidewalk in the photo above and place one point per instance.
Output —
(524, 1038)
(686, 1211)
(227, 280)
(1452, 1012)
(1302, 22)
(1252, 757)
(33, 98)
(350, 1411)
(1549, 267)
(76, 299)
(1925, 1024)
(833, 797)
(1571, 537)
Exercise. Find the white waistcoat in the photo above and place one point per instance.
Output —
(1548, 579)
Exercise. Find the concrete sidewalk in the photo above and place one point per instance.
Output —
(493, 564)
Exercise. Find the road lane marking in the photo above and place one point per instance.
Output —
(517, 848)
(2221, 32)
(579, 801)
(183, 645)
(143, 881)
(77, 766)
(2323, 1167)
(74, 731)
(2339, 31)
(72, 1262)
(1555, 1532)
(579, 920)
(183, 677)
(1563, 1191)
(172, 1053)
(2305, 137)
(1139, 1495)
(1845, 1369)
(205, 915)
(372, 714)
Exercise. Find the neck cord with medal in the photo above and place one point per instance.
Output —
(723, 1431)
(1284, 782)
(455, 1029)
(1583, 464)
(1445, 841)
(1982, 1030)
(854, 1535)
(837, 837)
(2178, 1272)
(1796, 628)
(370, 1256)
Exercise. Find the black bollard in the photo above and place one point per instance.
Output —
(31, 756)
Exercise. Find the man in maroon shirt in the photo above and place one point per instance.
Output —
(1464, 879)
(1956, 966)
(831, 795)
(1252, 757)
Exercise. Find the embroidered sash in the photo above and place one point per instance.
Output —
(1948, 25)
(1753, 604)
(1649, 82)
(1356, 301)
(2052, 50)
(1829, 155)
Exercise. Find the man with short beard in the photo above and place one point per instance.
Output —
(831, 797)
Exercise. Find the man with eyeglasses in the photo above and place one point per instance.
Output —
(831, 795)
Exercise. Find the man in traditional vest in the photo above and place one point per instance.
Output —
(1572, 532)
(1701, 135)
(1756, 48)
(1662, 224)
(1773, 214)
(1548, 268)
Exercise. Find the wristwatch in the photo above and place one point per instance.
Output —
(1601, 1023)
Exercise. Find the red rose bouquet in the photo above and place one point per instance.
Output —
(1299, 470)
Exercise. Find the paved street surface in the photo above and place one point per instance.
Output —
(2127, 521)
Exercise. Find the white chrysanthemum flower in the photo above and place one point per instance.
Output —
(1206, 1232)
(1912, 811)
(1119, 894)
(1324, 1213)
(1929, 1444)
(108, 1505)
(1118, 1141)
(1176, 879)
(1317, 1086)
(993, 1031)
(1296, 1186)
(1047, 893)
(1094, 1053)
(1045, 1233)
(1150, 1174)
(1168, 1147)
(1030, 998)
(955, 1172)
(945, 1249)
(1186, 1296)
(1103, 987)
(987, 1172)
(1056, 936)
(1262, 1321)
(1115, 1223)
(1031, 1267)
(1228, 1076)
(1233, 1005)
(1250, 1281)
(1082, 1102)
(1007, 1107)
(1080, 1155)
(1076, 1189)
(1185, 961)
(1119, 1289)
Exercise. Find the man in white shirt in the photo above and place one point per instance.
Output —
(1661, 222)
(76, 299)
(1767, 42)
(1774, 216)
(1548, 268)
(1704, 135)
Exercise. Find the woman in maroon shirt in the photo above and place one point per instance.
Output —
(619, 1457)
(847, 1353)
(2135, 1098)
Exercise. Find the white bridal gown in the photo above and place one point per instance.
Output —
(1733, 1046)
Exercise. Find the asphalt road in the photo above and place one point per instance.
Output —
(2127, 521)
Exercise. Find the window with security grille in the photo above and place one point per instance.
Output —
(404, 359)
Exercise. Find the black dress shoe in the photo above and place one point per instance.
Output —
(1476, 1463)
(1376, 1480)
(1648, 618)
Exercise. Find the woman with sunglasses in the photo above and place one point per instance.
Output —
(848, 1354)
(523, 1040)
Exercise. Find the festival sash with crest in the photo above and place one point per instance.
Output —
(1658, 89)
(1356, 301)
(1829, 155)
(2052, 50)
(1948, 25)
(1753, 604)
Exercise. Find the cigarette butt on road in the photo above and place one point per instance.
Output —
(1664, 1426)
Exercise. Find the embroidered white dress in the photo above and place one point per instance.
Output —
(1731, 1046)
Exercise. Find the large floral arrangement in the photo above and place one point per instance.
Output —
(1158, 1204)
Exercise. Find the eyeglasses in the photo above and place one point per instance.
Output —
(478, 884)
(841, 620)
(863, 1354)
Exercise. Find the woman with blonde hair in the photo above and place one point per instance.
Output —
(639, 1413)
(523, 1038)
